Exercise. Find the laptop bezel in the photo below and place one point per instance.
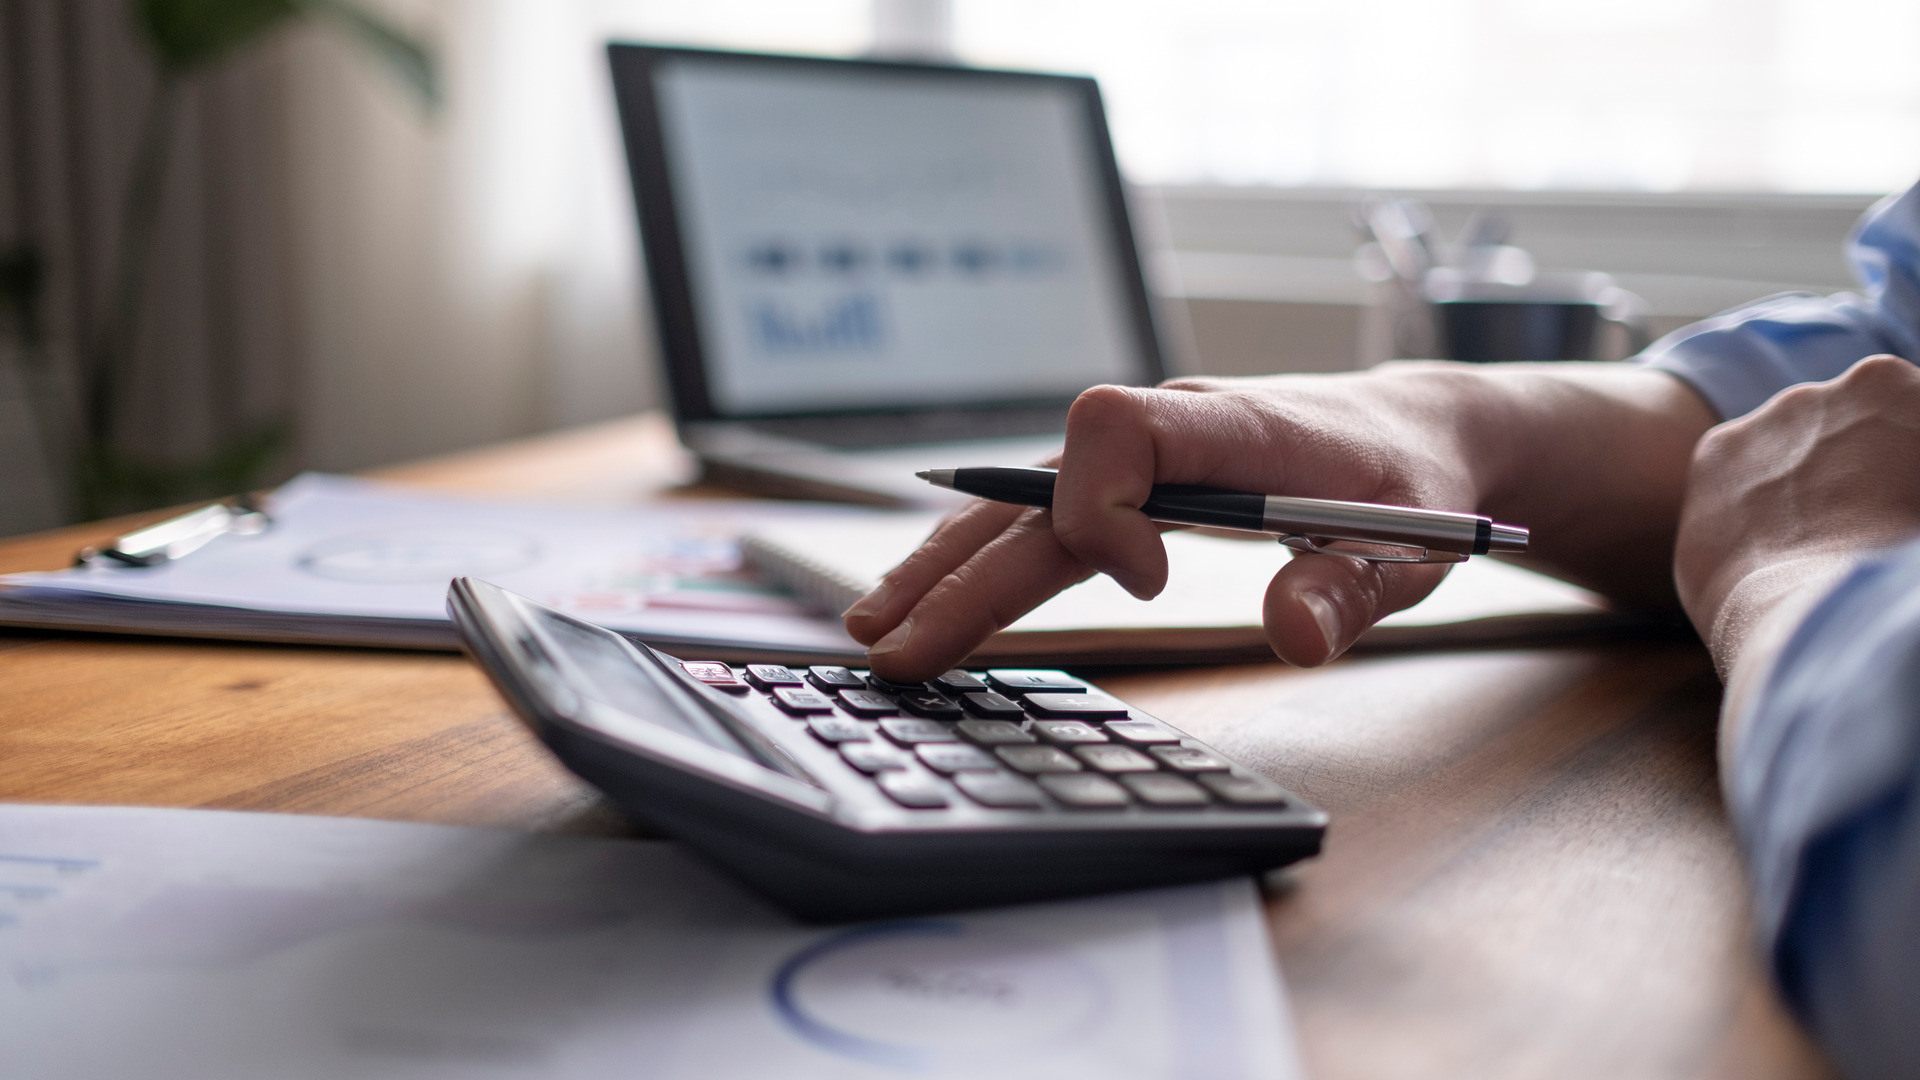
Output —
(676, 321)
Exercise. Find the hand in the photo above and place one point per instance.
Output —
(1520, 443)
(1781, 502)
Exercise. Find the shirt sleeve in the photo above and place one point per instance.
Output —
(1824, 788)
(1740, 358)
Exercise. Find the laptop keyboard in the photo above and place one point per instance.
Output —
(1003, 738)
(905, 429)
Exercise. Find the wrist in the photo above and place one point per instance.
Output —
(1744, 605)
(1751, 627)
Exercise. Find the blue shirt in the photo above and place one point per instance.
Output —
(1824, 787)
(1740, 358)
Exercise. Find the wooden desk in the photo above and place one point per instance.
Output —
(1529, 873)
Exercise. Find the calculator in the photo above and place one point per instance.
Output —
(840, 795)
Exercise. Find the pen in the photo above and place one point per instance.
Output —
(1302, 524)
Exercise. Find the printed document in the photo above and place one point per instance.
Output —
(205, 945)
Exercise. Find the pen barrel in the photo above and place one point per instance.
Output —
(1401, 526)
(1190, 504)
(1022, 487)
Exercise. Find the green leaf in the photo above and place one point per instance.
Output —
(190, 33)
(404, 55)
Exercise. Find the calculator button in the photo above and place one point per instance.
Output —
(714, 674)
(960, 682)
(868, 703)
(1068, 732)
(1142, 731)
(999, 790)
(1022, 681)
(1094, 706)
(911, 791)
(875, 682)
(1037, 759)
(1086, 791)
(1245, 790)
(1188, 759)
(829, 679)
(1121, 759)
(801, 701)
(955, 757)
(1162, 789)
(872, 757)
(834, 729)
(991, 704)
(927, 703)
(911, 732)
(768, 676)
(992, 732)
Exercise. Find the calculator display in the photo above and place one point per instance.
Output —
(612, 676)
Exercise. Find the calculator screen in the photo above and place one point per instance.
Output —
(862, 237)
(610, 675)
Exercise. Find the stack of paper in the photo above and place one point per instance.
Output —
(360, 563)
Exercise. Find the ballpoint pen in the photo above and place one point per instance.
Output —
(1302, 524)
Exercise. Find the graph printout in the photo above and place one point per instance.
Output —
(207, 945)
(344, 548)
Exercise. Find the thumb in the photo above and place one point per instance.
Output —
(1318, 604)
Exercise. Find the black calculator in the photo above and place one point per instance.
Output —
(840, 795)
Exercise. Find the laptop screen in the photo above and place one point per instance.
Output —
(858, 236)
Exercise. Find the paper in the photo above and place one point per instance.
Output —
(355, 560)
(207, 944)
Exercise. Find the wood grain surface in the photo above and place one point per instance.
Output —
(1529, 872)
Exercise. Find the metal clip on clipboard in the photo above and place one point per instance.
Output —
(179, 537)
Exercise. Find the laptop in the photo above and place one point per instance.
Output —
(860, 269)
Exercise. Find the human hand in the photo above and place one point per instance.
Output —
(1781, 502)
(1365, 437)
(1592, 457)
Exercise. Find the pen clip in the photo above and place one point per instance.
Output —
(1305, 545)
(178, 537)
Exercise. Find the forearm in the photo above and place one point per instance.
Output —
(1593, 458)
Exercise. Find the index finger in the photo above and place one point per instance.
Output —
(1011, 575)
(957, 539)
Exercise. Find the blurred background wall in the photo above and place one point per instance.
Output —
(396, 282)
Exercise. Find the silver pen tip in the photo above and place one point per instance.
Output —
(940, 477)
(1508, 538)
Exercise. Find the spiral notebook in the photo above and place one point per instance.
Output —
(1209, 611)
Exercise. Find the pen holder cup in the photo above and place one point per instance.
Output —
(1553, 317)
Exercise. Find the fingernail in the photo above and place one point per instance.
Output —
(870, 604)
(895, 640)
(1323, 617)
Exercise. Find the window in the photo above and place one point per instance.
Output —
(1649, 95)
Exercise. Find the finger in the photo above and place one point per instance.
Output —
(957, 539)
(1318, 604)
(1106, 472)
(1008, 577)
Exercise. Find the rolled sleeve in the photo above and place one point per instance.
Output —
(1740, 358)
(1823, 788)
